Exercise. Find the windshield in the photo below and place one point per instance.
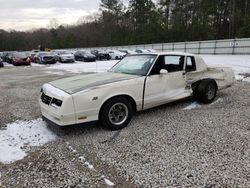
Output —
(138, 64)
(62, 52)
(20, 55)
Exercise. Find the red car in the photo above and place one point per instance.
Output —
(21, 58)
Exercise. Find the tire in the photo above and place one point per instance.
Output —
(206, 91)
(116, 113)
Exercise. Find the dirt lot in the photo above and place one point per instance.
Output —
(208, 146)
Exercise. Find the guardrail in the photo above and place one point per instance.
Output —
(228, 46)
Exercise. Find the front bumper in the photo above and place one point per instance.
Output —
(67, 60)
(52, 114)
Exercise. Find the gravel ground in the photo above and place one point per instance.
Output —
(167, 146)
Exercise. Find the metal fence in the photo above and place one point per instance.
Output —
(228, 46)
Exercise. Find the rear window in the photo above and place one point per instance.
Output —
(190, 66)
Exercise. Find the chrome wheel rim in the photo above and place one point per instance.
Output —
(118, 113)
(210, 91)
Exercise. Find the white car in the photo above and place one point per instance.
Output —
(136, 83)
(65, 57)
(116, 54)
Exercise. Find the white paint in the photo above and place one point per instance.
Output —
(192, 106)
(54, 90)
(18, 136)
(239, 63)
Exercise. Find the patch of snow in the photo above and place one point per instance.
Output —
(36, 65)
(82, 158)
(7, 64)
(192, 106)
(18, 136)
(80, 67)
(55, 72)
(89, 165)
(71, 148)
(246, 79)
(219, 100)
(108, 182)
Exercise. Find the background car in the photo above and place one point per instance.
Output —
(139, 51)
(101, 55)
(45, 58)
(1, 62)
(7, 56)
(20, 58)
(128, 52)
(84, 55)
(65, 57)
(32, 54)
(116, 54)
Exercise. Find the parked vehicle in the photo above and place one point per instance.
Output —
(128, 52)
(116, 54)
(101, 55)
(85, 56)
(65, 57)
(136, 83)
(139, 51)
(45, 58)
(1, 62)
(20, 58)
(32, 54)
(151, 50)
(8, 56)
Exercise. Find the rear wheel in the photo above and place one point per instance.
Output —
(116, 113)
(206, 91)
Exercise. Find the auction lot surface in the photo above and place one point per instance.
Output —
(183, 144)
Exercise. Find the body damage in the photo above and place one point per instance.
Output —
(83, 96)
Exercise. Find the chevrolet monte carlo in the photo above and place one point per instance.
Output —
(136, 83)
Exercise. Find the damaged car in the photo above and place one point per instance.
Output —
(45, 58)
(20, 58)
(138, 82)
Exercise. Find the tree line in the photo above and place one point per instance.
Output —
(141, 22)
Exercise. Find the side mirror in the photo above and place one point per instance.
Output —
(163, 71)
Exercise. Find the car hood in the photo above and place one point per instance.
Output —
(76, 84)
(66, 55)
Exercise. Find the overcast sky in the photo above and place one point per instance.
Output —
(29, 14)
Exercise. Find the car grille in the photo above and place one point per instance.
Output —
(46, 99)
(47, 58)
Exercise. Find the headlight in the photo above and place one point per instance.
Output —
(56, 102)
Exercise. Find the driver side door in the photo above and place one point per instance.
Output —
(166, 87)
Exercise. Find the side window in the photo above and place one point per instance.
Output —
(190, 66)
(174, 63)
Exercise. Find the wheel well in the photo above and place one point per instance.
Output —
(196, 84)
(129, 98)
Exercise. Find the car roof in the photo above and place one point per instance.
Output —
(168, 53)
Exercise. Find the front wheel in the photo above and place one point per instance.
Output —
(116, 113)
